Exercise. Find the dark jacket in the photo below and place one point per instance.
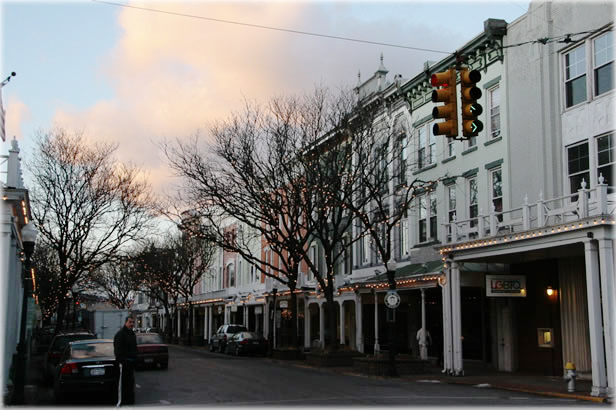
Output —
(125, 345)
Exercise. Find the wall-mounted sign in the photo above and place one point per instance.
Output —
(392, 299)
(219, 310)
(506, 285)
(258, 310)
(233, 308)
(284, 304)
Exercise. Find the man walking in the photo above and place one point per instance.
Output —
(125, 349)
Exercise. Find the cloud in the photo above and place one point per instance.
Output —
(17, 114)
(172, 75)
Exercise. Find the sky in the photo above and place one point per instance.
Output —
(138, 77)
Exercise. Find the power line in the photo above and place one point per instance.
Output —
(273, 28)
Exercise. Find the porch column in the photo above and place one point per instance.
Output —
(456, 319)
(606, 261)
(597, 353)
(194, 320)
(245, 315)
(445, 284)
(377, 348)
(342, 335)
(322, 324)
(423, 349)
(307, 325)
(205, 335)
(359, 332)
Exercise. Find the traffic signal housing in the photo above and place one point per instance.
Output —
(471, 110)
(447, 94)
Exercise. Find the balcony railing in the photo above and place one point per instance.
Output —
(580, 205)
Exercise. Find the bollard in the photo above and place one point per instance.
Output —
(570, 376)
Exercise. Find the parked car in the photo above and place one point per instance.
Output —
(224, 333)
(88, 367)
(246, 343)
(57, 346)
(152, 350)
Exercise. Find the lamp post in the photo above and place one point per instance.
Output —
(28, 235)
(272, 330)
(391, 320)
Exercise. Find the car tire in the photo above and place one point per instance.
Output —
(211, 347)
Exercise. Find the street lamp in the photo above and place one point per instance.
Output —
(272, 330)
(28, 238)
(391, 322)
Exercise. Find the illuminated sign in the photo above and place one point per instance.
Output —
(506, 285)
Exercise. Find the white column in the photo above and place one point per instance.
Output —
(423, 350)
(456, 319)
(377, 348)
(245, 315)
(597, 353)
(322, 324)
(359, 332)
(447, 332)
(307, 325)
(342, 335)
(606, 261)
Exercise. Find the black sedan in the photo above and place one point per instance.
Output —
(152, 350)
(87, 367)
(246, 343)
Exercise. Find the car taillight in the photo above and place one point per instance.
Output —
(69, 368)
(243, 342)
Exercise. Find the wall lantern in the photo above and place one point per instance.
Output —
(549, 291)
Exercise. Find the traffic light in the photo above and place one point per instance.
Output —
(447, 94)
(471, 126)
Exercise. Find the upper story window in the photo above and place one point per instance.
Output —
(578, 166)
(451, 202)
(605, 158)
(494, 101)
(404, 237)
(473, 202)
(427, 217)
(404, 156)
(575, 76)
(496, 181)
(589, 66)
(603, 63)
(426, 146)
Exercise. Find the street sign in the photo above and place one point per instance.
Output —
(392, 299)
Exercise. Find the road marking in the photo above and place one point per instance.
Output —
(428, 381)
(483, 385)
(137, 385)
(164, 402)
(519, 398)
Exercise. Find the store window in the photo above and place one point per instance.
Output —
(421, 147)
(427, 217)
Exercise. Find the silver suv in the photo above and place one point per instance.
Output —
(218, 342)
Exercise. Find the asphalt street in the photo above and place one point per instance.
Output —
(208, 379)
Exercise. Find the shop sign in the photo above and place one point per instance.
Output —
(233, 308)
(284, 304)
(392, 299)
(219, 310)
(505, 285)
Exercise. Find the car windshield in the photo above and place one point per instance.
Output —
(91, 350)
(235, 329)
(250, 335)
(149, 339)
(62, 341)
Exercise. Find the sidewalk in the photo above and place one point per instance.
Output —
(476, 374)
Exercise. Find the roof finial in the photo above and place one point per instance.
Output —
(382, 67)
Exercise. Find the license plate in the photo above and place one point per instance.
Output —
(148, 360)
(97, 372)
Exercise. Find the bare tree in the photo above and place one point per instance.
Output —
(118, 280)
(85, 204)
(47, 279)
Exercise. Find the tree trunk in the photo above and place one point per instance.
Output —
(331, 315)
(294, 336)
(60, 317)
(190, 323)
